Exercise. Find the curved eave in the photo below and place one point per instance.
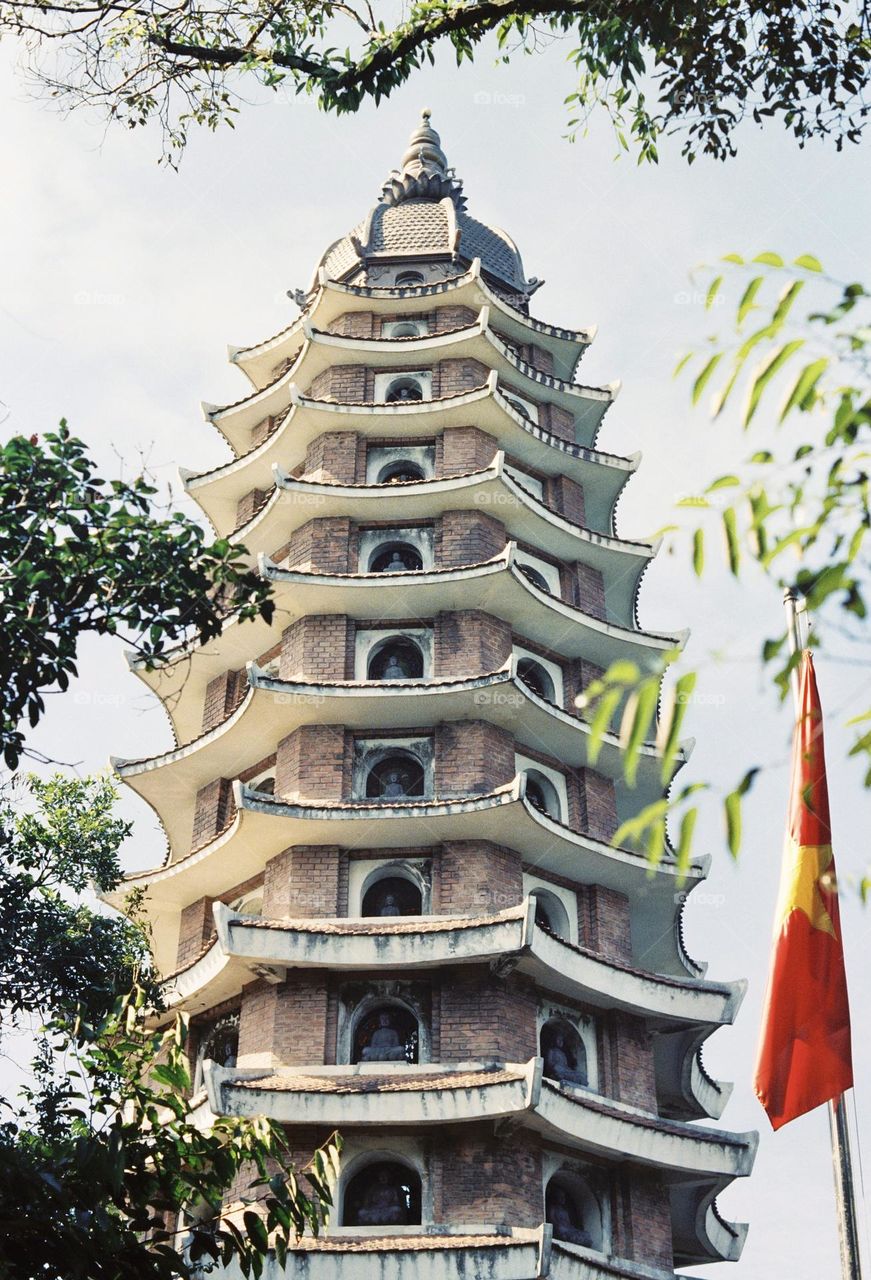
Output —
(246, 945)
(601, 475)
(609, 1130)
(321, 351)
(333, 299)
(497, 586)
(273, 708)
(493, 490)
(264, 826)
(682, 1083)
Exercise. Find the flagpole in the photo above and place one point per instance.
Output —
(842, 1159)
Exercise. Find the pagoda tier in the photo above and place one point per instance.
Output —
(393, 900)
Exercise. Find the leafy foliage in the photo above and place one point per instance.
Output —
(699, 68)
(800, 512)
(80, 554)
(58, 837)
(95, 1171)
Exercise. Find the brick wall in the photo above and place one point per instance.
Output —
(262, 430)
(467, 537)
(313, 762)
(197, 924)
(223, 695)
(482, 1178)
(336, 456)
(285, 1023)
(598, 813)
(607, 922)
(212, 812)
(472, 877)
(302, 883)
(558, 421)
(445, 319)
(579, 675)
(646, 1220)
(463, 449)
(633, 1078)
(248, 506)
(566, 497)
(353, 324)
(469, 643)
(344, 384)
(453, 377)
(590, 587)
(471, 758)
(483, 1018)
(316, 648)
(322, 546)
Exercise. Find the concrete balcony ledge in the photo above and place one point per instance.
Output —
(321, 351)
(272, 708)
(492, 490)
(508, 940)
(512, 1093)
(469, 289)
(498, 584)
(601, 475)
(263, 826)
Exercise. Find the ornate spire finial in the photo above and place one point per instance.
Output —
(423, 171)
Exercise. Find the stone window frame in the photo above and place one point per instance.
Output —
(532, 484)
(587, 1029)
(360, 1151)
(364, 873)
(379, 456)
(567, 899)
(205, 1031)
(421, 324)
(595, 1183)
(262, 776)
(525, 764)
(420, 537)
(254, 897)
(368, 639)
(553, 669)
(549, 571)
(413, 997)
(384, 379)
(369, 751)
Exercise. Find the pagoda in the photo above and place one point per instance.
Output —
(391, 902)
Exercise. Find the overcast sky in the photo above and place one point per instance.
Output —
(123, 282)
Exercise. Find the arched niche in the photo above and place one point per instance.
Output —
(408, 327)
(384, 1191)
(403, 389)
(574, 1210)
(550, 914)
(385, 1031)
(394, 774)
(564, 1053)
(218, 1042)
(536, 676)
(393, 891)
(395, 556)
(408, 279)
(401, 471)
(396, 657)
(542, 794)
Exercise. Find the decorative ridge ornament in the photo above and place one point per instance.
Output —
(424, 172)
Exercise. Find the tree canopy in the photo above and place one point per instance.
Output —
(697, 67)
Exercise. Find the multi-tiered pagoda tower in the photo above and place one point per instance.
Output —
(390, 903)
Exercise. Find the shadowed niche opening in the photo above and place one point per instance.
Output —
(383, 1194)
(387, 1033)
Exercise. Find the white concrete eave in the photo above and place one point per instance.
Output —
(601, 475)
(333, 299)
(497, 586)
(576, 1117)
(321, 351)
(273, 708)
(264, 826)
(508, 940)
(492, 489)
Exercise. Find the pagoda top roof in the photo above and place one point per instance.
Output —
(421, 212)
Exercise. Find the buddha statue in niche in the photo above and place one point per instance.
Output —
(560, 1217)
(558, 1064)
(385, 1045)
(383, 1203)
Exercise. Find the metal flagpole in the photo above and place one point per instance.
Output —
(842, 1159)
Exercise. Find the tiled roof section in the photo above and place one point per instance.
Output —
(417, 226)
(387, 1244)
(341, 256)
(380, 1084)
(380, 925)
(498, 255)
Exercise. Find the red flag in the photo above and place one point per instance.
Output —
(804, 1054)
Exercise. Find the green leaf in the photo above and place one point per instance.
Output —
(769, 259)
(685, 840)
(765, 372)
(803, 386)
(732, 809)
(713, 290)
(745, 306)
(698, 552)
(808, 262)
(705, 376)
(733, 550)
